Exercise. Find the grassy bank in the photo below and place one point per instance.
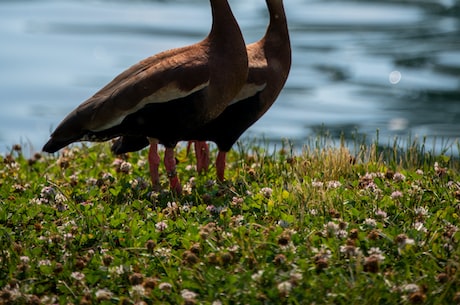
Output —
(325, 226)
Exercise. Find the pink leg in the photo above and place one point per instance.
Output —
(170, 164)
(202, 156)
(220, 165)
(154, 163)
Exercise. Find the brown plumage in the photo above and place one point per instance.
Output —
(166, 95)
(269, 66)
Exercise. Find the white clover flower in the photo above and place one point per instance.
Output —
(410, 288)
(334, 184)
(257, 276)
(188, 294)
(59, 198)
(125, 167)
(419, 172)
(165, 287)
(161, 226)
(370, 222)
(91, 181)
(141, 163)
(398, 177)
(421, 211)
(284, 287)
(396, 195)
(237, 201)
(78, 276)
(119, 270)
(44, 262)
(25, 259)
(331, 227)
(317, 184)
(342, 234)
(419, 226)
(103, 294)
(266, 191)
(377, 253)
(137, 291)
(381, 214)
(350, 251)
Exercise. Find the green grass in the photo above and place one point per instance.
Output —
(323, 226)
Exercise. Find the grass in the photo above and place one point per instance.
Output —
(328, 225)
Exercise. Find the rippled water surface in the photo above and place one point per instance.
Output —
(392, 66)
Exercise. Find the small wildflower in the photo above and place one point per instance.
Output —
(342, 234)
(419, 226)
(334, 184)
(137, 291)
(47, 193)
(440, 171)
(44, 262)
(25, 259)
(161, 226)
(284, 288)
(330, 229)
(91, 181)
(396, 195)
(382, 215)
(421, 211)
(117, 163)
(370, 222)
(237, 201)
(166, 287)
(125, 167)
(403, 241)
(266, 191)
(78, 276)
(317, 184)
(398, 177)
(188, 294)
(103, 294)
(212, 209)
(256, 277)
(419, 172)
(350, 251)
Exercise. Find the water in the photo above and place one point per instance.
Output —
(392, 66)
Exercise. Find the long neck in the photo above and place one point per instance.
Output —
(277, 35)
(228, 58)
(223, 21)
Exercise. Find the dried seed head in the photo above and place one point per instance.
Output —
(417, 297)
(279, 259)
(136, 279)
(226, 258)
(371, 264)
(321, 264)
(150, 245)
(190, 258)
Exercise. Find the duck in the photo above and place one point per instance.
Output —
(269, 65)
(164, 96)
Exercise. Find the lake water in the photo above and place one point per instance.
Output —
(392, 66)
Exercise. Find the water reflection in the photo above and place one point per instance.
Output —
(357, 65)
